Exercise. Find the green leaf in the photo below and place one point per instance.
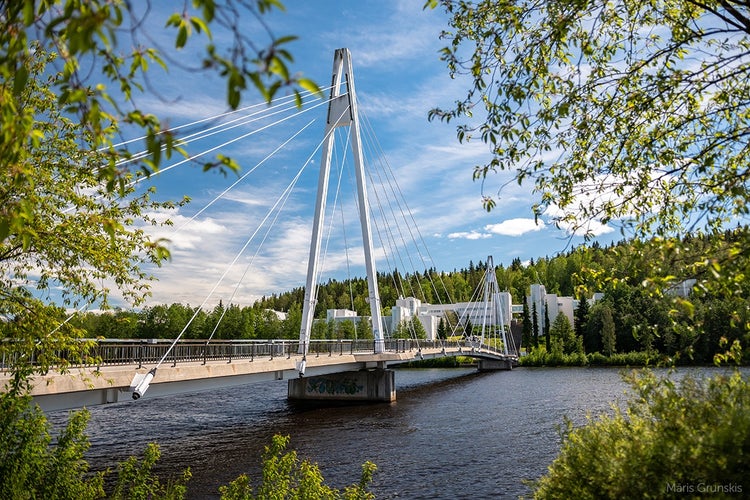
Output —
(4, 229)
(28, 12)
(285, 39)
(200, 26)
(174, 20)
(310, 86)
(182, 36)
(20, 79)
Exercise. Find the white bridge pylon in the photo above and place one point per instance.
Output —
(342, 112)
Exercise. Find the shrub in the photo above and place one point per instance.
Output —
(30, 466)
(636, 358)
(284, 476)
(540, 357)
(691, 437)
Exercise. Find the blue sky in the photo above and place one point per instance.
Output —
(399, 78)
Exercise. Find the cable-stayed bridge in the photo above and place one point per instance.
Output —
(333, 368)
(316, 369)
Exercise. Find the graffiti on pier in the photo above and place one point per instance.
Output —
(323, 385)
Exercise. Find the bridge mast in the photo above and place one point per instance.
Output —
(342, 112)
(492, 299)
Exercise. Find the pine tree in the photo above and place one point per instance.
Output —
(608, 332)
(581, 316)
(526, 328)
(581, 319)
(547, 339)
(535, 324)
(441, 330)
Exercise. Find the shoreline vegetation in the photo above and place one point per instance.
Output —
(541, 358)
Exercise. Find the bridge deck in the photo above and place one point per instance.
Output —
(107, 383)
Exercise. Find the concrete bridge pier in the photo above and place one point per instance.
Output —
(377, 385)
(489, 365)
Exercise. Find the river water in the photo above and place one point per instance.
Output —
(452, 433)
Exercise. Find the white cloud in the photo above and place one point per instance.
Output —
(469, 235)
(515, 227)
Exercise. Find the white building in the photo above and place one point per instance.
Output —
(537, 299)
(565, 305)
(429, 315)
(554, 305)
(477, 313)
(411, 307)
(341, 314)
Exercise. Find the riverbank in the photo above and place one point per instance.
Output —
(541, 358)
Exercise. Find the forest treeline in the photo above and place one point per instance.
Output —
(636, 313)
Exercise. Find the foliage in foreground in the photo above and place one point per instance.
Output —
(33, 466)
(690, 437)
(30, 467)
(284, 476)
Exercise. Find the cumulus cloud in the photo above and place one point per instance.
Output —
(184, 233)
(515, 227)
(469, 235)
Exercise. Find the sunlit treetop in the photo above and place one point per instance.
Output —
(629, 112)
(623, 113)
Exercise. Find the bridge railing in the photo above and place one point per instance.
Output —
(112, 352)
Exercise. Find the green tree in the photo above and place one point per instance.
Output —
(136, 479)
(345, 329)
(526, 327)
(319, 330)
(410, 329)
(154, 322)
(70, 216)
(581, 316)
(116, 324)
(592, 336)
(364, 328)
(608, 331)
(442, 330)
(417, 329)
(77, 239)
(267, 325)
(113, 38)
(643, 103)
(284, 475)
(546, 328)
(468, 328)
(291, 325)
(562, 331)
(31, 466)
(672, 436)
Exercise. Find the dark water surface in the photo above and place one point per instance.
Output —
(452, 433)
